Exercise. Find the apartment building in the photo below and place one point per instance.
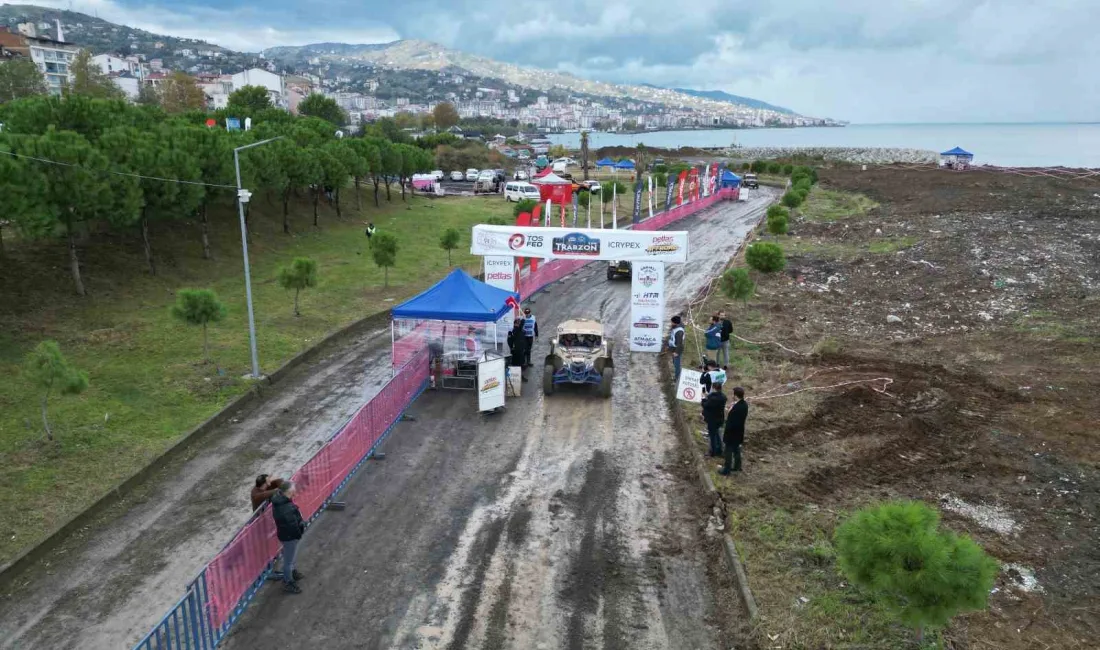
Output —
(53, 57)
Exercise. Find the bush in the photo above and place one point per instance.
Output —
(803, 183)
(777, 224)
(925, 576)
(448, 241)
(788, 169)
(199, 307)
(737, 285)
(384, 251)
(792, 199)
(758, 167)
(660, 180)
(827, 346)
(612, 189)
(660, 169)
(745, 166)
(803, 170)
(526, 205)
(777, 210)
(497, 221)
(774, 168)
(765, 257)
(301, 274)
(802, 194)
(50, 370)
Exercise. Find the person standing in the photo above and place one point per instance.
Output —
(531, 331)
(714, 336)
(735, 432)
(724, 342)
(517, 345)
(676, 343)
(370, 234)
(289, 527)
(264, 489)
(714, 413)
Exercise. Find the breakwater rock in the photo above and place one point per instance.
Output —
(863, 155)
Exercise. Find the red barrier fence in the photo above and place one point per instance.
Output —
(233, 572)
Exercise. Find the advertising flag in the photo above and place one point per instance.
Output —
(649, 182)
(614, 205)
(637, 201)
(576, 201)
(668, 192)
(647, 306)
(680, 192)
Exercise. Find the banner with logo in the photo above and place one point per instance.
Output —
(689, 387)
(682, 182)
(614, 206)
(637, 201)
(576, 202)
(668, 192)
(490, 383)
(501, 272)
(693, 184)
(649, 182)
(647, 306)
(580, 244)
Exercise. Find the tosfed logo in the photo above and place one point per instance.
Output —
(576, 243)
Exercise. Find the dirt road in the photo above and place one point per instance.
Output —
(560, 523)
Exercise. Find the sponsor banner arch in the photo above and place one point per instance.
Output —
(580, 243)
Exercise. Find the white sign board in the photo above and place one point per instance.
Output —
(689, 389)
(647, 306)
(490, 383)
(580, 243)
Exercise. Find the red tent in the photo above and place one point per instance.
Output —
(554, 188)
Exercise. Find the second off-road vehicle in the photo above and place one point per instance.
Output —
(579, 354)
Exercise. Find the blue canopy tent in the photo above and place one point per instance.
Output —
(605, 162)
(957, 158)
(729, 179)
(625, 164)
(456, 298)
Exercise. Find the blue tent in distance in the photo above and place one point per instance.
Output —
(729, 179)
(458, 297)
(957, 151)
(625, 164)
(605, 162)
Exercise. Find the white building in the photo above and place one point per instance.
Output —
(53, 58)
(276, 88)
(217, 90)
(128, 83)
(111, 63)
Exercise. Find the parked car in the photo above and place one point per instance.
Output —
(471, 174)
(518, 190)
(523, 155)
(520, 175)
(458, 176)
(437, 175)
(593, 186)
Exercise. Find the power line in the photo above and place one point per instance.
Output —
(117, 173)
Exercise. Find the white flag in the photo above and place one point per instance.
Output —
(614, 204)
(649, 180)
(549, 207)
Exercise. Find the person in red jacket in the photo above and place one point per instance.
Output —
(264, 489)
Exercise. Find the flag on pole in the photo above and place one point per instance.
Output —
(614, 204)
(668, 192)
(637, 216)
(576, 200)
(589, 210)
(549, 211)
(601, 208)
(649, 181)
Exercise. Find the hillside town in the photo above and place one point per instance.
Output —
(365, 91)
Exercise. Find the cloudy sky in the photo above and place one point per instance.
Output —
(858, 60)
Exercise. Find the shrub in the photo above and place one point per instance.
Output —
(792, 199)
(497, 221)
(526, 205)
(802, 194)
(787, 169)
(448, 241)
(774, 168)
(759, 166)
(746, 166)
(777, 210)
(827, 346)
(301, 274)
(803, 170)
(765, 257)
(199, 307)
(777, 225)
(384, 252)
(924, 575)
(50, 370)
(803, 183)
(612, 189)
(737, 285)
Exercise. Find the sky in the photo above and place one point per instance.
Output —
(865, 61)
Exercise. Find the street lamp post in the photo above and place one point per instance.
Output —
(243, 196)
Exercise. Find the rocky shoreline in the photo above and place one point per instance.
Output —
(863, 155)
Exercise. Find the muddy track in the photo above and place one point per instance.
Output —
(383, 560)
(551, 525)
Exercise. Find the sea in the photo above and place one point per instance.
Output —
(1006, 145)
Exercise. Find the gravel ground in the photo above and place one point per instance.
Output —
(556, 506)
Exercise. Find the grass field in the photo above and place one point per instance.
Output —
(148, 385)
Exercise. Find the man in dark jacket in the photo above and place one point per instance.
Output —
(517, 345)
(714, 412)
(264, 489)
(289, 527)
(735, 432)
(723, 356)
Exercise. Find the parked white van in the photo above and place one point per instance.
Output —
(518, 191)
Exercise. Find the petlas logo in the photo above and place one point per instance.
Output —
(663, 244)
(576, 243)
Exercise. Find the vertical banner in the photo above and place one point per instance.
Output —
(647, 306)
(601, 208)
(535, 215)
(637, 201)
(693, 184)
(680, 192)
(649, 180)
(576, 201)
(668, 192)
(490, 382)
(549, 211)
(501, 272)
(614, 205)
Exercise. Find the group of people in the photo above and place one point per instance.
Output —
(289, 525)
(521, 340)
